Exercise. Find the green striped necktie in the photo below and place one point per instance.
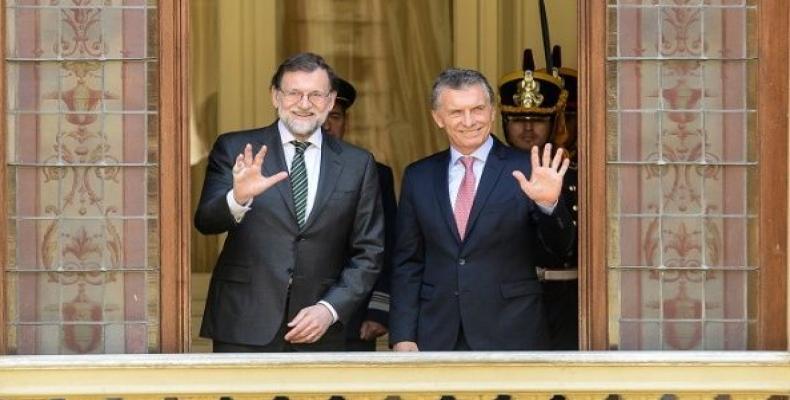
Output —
(299, 181)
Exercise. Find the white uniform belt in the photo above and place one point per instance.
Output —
(558, 274)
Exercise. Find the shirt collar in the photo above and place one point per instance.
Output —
(315, 139)
(480, 154)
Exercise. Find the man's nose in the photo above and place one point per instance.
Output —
(468, 120)
(304, 102)
(529, 126)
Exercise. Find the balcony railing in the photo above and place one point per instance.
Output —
(585, 375)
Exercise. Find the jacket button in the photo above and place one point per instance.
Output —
(455, 293)
(462, 261)
(575, 208)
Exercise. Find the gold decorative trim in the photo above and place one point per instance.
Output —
(528, 93)
(560, 106)
(538, 75)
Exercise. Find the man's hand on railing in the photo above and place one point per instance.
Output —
(405, 346)
(309, 324)
(370, 330)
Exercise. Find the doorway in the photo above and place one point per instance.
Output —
(374, 45)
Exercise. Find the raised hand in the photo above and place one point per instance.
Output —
(545, 183)
(248, 179)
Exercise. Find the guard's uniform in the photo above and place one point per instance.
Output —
(529, 94)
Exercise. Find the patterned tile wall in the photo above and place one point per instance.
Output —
(682, 167)
(83, 272)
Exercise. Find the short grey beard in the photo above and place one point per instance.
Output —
(296, 131)
(302, 132)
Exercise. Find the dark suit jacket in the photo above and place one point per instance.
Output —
(381, 291)
(561, 297)
(336, 256)
(487, 283)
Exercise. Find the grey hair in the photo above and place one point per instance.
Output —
(304, 62)
(456, 78)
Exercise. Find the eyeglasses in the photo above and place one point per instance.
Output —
(295, 96)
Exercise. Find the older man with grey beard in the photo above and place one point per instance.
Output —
(303, 215)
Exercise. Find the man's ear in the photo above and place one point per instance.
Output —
(332, 99)
(493, 119)
(273, 92)
(437, 119)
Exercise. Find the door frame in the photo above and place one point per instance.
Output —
(174, 186)
(174, 182)
(773, 83)
(593, 290)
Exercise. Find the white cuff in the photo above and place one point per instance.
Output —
(331, 309)
(236, 209)
(548, 210)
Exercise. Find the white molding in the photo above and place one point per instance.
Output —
(711, 373)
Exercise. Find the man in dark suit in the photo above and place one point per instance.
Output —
(463, 276)
(369, 321)
(304, 247)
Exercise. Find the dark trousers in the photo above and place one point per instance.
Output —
(222, 347)
(329, 342)
(360, 345)
(460, 342)
(279, 345)
(561, 300)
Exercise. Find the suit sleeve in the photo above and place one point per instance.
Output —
(408, 264)
(213, 215)
(379, 305)
(366, 249)
(556, 232)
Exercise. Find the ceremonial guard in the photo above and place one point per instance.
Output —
(533, 106)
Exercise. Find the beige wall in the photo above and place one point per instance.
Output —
(490, 36)
(237, 44)
(230, 84)
(234, 51)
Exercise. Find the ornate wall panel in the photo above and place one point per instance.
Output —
(82, 134)
(682, 169)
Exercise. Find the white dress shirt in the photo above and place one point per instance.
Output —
(457, 170)
(312, 161)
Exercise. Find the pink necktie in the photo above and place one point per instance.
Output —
(465, 197)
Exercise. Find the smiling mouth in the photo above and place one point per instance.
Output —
(472, 132)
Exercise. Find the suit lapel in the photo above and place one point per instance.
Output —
(275, 162)
(331, 167)
(488, 181)
(442, 193)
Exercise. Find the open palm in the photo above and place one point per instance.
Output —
(545, 183)
(248, 180)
